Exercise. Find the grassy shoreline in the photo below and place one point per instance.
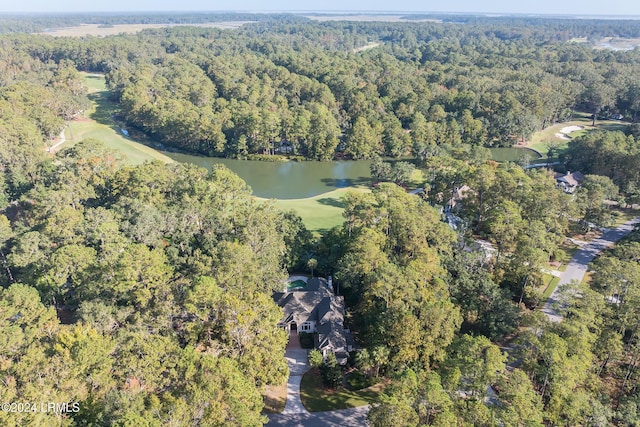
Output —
(542, 140)
(319, 213)
(98, 123)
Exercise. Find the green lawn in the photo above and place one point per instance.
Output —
(322, 212)
(317, 399)
(100, 125)
(587, 277)
(418, 179)
(135, 153)
(541, 140)
(620, 216)
(95, 82)
(551, 285)
(564, 265)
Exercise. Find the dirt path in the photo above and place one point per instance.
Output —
(62, 140)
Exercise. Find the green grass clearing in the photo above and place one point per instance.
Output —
(418, 179)
(542, 140)
(133, 152)
(562, 267)
(322, 212)
(551, 286)
(586, 279)
(621, 216)
(95, 82)
(316, 398)
(100, 125)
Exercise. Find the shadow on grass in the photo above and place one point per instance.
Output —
(104, 109)
(317, 398)
(328, 201)
(622, 127)
(346, 182)
(320, 231)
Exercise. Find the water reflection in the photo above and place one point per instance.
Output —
(289, 180)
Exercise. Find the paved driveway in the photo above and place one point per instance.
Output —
(578, 265)
(294, 413)
(297, 361)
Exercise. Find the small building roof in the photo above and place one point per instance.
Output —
(572, 179)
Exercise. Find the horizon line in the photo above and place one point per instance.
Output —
(330, 12)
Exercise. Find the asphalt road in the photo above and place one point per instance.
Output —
(578, 265)
(355, 417)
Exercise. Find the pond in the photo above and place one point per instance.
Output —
(297, 180)
(289, 180)
(512, 154)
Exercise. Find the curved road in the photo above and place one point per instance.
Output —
(578, 265)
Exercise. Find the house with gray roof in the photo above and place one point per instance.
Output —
(315, 309)
(569, 182)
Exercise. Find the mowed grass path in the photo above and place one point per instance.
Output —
(322, 212)
(99, 124)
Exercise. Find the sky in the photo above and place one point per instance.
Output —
(570, 7)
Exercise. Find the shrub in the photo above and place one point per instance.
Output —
(357, 381)
(332, 376)
(306, 340)
(331, 372)
(315, 358)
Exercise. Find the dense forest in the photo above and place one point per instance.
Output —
(311, 89)
(115, 295)
(144, 292)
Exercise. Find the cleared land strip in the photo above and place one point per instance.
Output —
(98, 30)
(578, 265)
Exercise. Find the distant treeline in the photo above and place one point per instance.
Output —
(285, 86)
(30, 23)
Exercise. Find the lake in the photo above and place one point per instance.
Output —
(277, 180)
(297, 180)
(289, 180)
